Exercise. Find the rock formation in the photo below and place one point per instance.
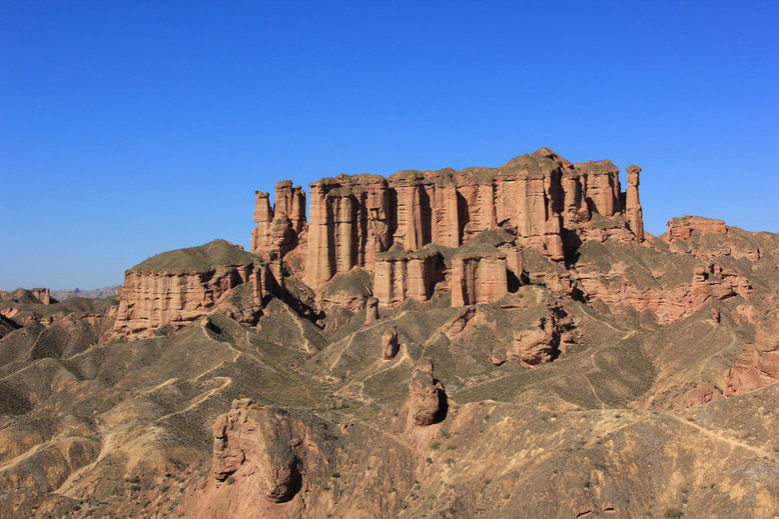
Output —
(42, 294)
(371, 310)
(401, 275)
(478, 275)
(758, 363)
(98, 427)
(178, 287)
(425, 394)
(389, 343)
(355, 219)
(633, 210)
(708, 283)
(261, 443)
(683, 227)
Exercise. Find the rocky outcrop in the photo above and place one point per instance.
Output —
(42, 294)
(683, 227)
(539, 344)
(401, 275)
(478, 275)
(178, 287)
(543, 341)
(371, 310)
(426, 395)
(389, 343)
(758, 363)
(278, 228)
(353, 219)
(633, 211)
(710, 282)
(262, 444)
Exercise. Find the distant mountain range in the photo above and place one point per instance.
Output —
(95, 293)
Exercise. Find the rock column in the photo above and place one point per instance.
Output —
(632, 204)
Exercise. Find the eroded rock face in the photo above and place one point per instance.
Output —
(178, 287)
(279, 228)
(758, 363)
(42, 294)
(543, 341)
(478, 275)
(633, 210)
(683, 227)
(708, 283)
(389, 343)
(401, 275)
(262, 443)
(355, 218)
(425, 395)
(371, 310)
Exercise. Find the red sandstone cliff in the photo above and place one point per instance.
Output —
(178, 287)
(354, 219)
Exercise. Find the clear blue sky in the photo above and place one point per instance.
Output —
(128, 128)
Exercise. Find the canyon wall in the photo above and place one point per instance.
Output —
(356, 218)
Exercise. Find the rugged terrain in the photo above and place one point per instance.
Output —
(491, 342)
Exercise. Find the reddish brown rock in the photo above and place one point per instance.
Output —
(703, 393)
(355, 218)
(683, 227)
(538, 344)
(264, 444)
(178, 287)
(478, 275)
(425, 394)
(633, 211)
(279, 228)
(708, 283)
(541, 342)
(42, 294)
(758, 363)
(389, 343)
(371, 310)
(401, 275)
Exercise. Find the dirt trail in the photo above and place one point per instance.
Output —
(720, 437)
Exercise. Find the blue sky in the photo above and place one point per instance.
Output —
(128, 128)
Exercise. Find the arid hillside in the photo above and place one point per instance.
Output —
(486, 343)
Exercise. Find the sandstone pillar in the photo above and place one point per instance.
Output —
(319, 264)
(263, 216)
(632, 204)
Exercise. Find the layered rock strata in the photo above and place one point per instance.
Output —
(478, 275)
(178, 287)
(353, 219)
(758, 363)
(683, 227)
(401, 275)
(710, 282)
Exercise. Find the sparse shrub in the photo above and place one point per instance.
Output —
(444, 433)
(434, 444)
(673, 513)
(230, 480)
